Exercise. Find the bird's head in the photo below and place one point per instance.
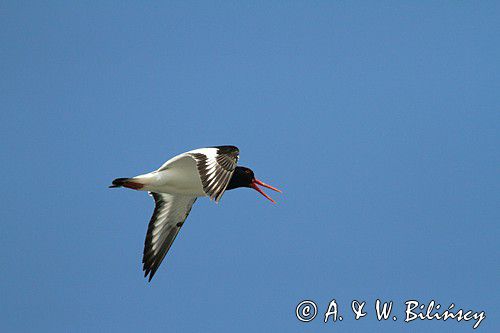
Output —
(244, 177)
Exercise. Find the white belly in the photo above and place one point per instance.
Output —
(179, 182)
(179, 177)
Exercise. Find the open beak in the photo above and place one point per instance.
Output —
(256, 182)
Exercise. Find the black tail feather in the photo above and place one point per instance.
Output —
(118, 182)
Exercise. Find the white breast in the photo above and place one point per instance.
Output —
(178, 175)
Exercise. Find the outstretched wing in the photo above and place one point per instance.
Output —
(216, 167)
(168, 217)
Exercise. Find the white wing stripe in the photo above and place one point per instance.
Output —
(215, 166)
(170, 213)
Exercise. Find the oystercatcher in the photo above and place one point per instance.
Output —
(177, 184)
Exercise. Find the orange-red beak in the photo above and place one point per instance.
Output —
(256, 182)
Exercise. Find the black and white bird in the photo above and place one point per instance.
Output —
(177, 184)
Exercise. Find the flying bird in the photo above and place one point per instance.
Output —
(177, 184)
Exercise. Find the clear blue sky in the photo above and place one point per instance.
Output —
(380, 122)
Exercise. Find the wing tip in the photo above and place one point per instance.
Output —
(149, 271)
(228, 149)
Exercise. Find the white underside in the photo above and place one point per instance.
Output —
(178, 175)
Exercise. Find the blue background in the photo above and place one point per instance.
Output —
(380, 123)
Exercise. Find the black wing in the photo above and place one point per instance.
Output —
(216, 167)
(168, 217)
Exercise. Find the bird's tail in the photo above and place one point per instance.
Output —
(126, 182)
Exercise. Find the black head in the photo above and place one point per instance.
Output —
(244, 177)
